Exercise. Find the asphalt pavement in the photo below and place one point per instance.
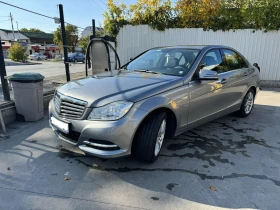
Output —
(229, 163)
(46, 68)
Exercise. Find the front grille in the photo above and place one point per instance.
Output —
(69, 107)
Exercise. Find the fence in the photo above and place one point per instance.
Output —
(260, 47)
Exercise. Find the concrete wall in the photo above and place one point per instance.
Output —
(257, 47)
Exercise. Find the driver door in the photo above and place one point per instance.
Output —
(208, 98)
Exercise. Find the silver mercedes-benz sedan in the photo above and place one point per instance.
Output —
(163, 92)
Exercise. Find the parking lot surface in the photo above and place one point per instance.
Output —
(46, 68)
(229, 163)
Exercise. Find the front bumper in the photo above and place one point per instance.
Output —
(106, 139)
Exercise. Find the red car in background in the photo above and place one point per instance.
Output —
(48, 55)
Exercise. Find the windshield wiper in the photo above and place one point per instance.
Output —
(146, 71)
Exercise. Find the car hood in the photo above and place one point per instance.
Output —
(102, 89)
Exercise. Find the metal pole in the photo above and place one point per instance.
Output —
(12, 25)
(3, 126)
(3, 73)
(93, 28)
(64, 42)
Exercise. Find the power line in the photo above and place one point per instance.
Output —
(98, 5)
(38, 13)
(103, 2)
(4, 20)
(26, 10)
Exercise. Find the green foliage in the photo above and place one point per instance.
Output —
(35, 30)
(207, 14)
(71, 37)
(114, 18)
(84, 43)
(158, 14)
(17, 52)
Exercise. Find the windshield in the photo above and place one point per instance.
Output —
(170, 61)
(71, 54)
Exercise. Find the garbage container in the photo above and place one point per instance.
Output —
(28, 95)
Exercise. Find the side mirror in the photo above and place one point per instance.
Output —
(208, 75)
(202, 65)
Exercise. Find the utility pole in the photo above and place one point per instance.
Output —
(64, 42)
(11, 17)
(3, 74)
(93, 28)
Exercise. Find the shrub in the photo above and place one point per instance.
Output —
(17, 52)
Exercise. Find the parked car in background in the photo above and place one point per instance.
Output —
(161, 93)
(37, 56)
(76, 57)
(48, 55)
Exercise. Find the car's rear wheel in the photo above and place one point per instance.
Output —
(150, 136)
(247, 104)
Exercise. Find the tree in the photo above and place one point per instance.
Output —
(207, 14)
(264, 14)
(35, 30)
(71, 37)
(114, 18)
(17, 52)
(196, 13)
(159, 14)
(84, 43)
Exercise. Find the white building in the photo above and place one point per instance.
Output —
(88, 31)
(8, 36)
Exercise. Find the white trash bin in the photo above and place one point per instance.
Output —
(28, 95)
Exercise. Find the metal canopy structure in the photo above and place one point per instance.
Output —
(101, 56)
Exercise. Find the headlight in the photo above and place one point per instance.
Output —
(113, 111)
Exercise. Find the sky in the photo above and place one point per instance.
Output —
(76, 12)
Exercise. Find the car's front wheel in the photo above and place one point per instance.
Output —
(150, 137)
(247, 104)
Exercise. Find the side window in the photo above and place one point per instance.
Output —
(233, 60)
(213, 61)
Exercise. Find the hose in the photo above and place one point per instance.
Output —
(106, 43)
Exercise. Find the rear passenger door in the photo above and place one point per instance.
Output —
(237, 74)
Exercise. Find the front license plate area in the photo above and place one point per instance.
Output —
(62, 126)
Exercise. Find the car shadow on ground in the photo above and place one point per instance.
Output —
(217, 164)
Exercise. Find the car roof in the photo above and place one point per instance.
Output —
(198, 47)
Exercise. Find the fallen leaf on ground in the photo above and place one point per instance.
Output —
(213, 188)
(67, 178)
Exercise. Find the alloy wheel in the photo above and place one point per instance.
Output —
(160, 137)
(249, 102)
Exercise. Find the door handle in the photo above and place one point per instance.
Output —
(223, 81)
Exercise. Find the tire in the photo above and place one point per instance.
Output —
(38, 58)
(147, 144)
(246, 108)
(83, 60)
(75, 61)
